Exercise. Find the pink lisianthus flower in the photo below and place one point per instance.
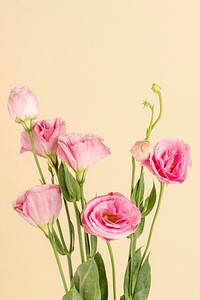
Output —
(45, 136)
(40, 206)
(110, 217)
(141, 150)
(22, 104)
(169, 160)
(80, 151)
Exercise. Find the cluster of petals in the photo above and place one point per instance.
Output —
(110, 217)
(80, 151)
(40, 205)
(170, 160)
(45, 135)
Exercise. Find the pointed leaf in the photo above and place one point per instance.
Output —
(143, 281)
(68, 184)
(103, 283)
(59, 247)
(150, 202)
(72, 295)
(86, 280)
(140, 228)
(138, 192)
(93, 243)
(132, 267)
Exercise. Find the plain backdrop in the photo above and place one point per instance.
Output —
(92, 63)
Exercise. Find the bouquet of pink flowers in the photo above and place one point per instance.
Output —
(108, 217)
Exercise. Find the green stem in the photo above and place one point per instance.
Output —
(79, 232)
(139, 188)
(59, 264)
(86, 238)
(132, 251)
(133, 177)
(160, 113)
(71, 227)
(69, 261)
(82, 195)
(149, 130)
(60, 233)
(30, 134)
(113, 269)
(154, 220)
(70, 268)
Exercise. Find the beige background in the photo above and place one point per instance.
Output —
(92, 63)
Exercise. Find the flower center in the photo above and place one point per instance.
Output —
(111, 218)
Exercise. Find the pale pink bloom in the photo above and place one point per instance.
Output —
(22, 104)
(40, 205)
(45, 135)
(170, 161)
(80, 151)
(110, 217)
(141, 150)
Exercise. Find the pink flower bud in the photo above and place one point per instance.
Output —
(110, 217)
(80, 151)
(45, 136)
(22, 104)
(141, 150)
(40, 206)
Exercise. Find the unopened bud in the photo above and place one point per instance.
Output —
(156, 88)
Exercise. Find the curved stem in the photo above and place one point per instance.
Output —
(160, 113)
(30, 134)
(151, 124)
(154, 220)
(113, 269)
(69, 260)
(59, 264)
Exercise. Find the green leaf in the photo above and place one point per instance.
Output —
(86, 280)
(125, 298)
(59, 247)
(149, 202)
(127, 280)
(130, 279)
(72, 295)
(103, 283)
(68, 184)
(93, 243)
(143, 281)
(138, 192)
(140, 228)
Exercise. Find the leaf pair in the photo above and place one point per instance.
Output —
(137, 279)
(68, 184)
(90, 281)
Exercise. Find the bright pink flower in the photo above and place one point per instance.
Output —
(141, 150)
(40, 205)
(80, 151)
(170, 161)
(22, 104)
(110, 217)
(45, 135)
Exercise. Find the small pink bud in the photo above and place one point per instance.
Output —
(141, 150)
(22, 104)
